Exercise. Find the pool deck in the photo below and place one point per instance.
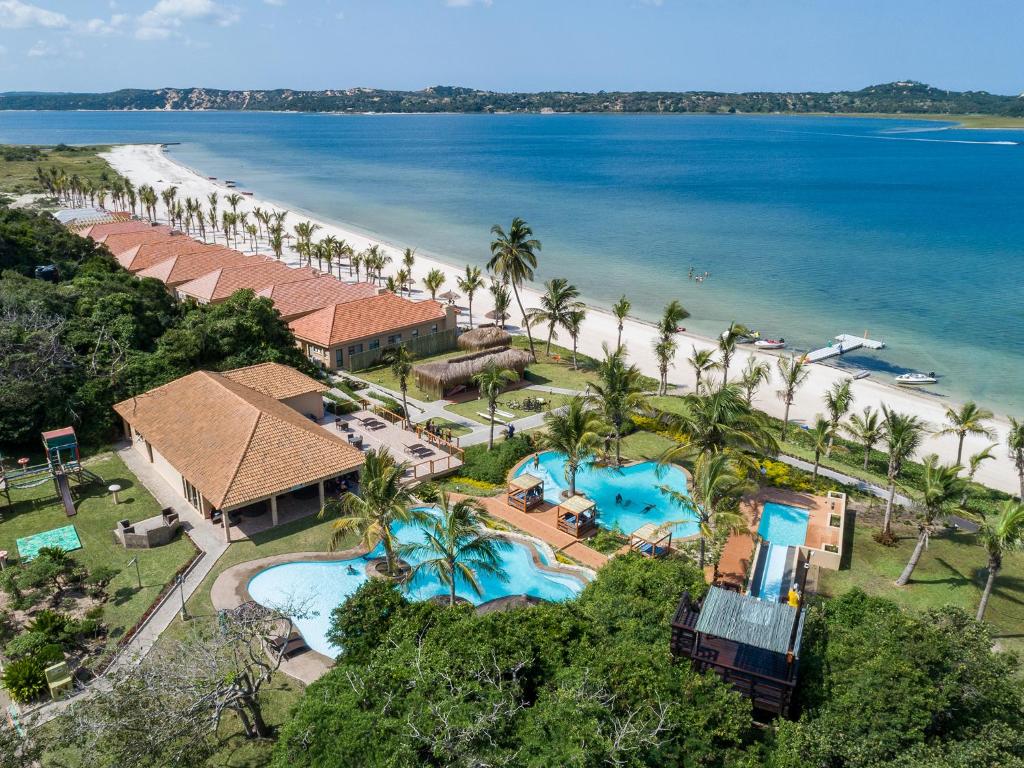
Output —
(542, 523)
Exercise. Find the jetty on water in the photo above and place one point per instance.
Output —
(844, 343)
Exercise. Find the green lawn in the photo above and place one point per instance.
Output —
(39, 509)
(643, 445)
(951, 571)
(457, 429)
(19, 176)
(471, 409)
(382, 376)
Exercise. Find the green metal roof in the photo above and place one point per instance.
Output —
(747, 620)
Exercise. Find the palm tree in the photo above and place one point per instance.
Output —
(702, 361)
(664, 352)
(456, 545)
(400, 361)
(574, 325)
(559, 298)
(574, 431)
(942, 488)
(502, 301)
(665, 344)
(866, 429)
(727, 346)
(168, 196)
(491, 381)
(999, 536)
(433, 281)
(838, 401)
(276, 238)
(821, 435)
(754, 375)
(514, 258)
(716, 478)
(233, 200)
(469, 283)
(383, 500)
(974, 462)
(793, 374)
(1015, 443)
(903, 435)
(717, 422)
(618, 393)
(969, 419)
(212, 200)
(620, 310)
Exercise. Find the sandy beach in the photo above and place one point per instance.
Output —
(148, 164)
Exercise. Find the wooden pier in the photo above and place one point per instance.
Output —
(844, 343)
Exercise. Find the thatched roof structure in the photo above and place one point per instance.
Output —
(485, 337)
(442, 376)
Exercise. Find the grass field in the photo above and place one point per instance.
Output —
(18, 176)
(39, 509)
(471, 409)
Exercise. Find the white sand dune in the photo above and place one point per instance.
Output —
(148, 164)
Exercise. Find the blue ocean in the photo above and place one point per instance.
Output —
(910, 231)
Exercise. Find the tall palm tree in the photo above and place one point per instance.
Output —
(491, 381)
(838, 401)
(399, 359)
(559, 298)
(719, 421)
(233, 200)
(974, 462)
(514, 258)
(212, 199)
(1015, 444)
(717, 477)
(793, 373)
(276, 238)
(168, 196)
(702, 361)
(433, 281)
(574, 326)
(867, 429)
(903, 435)
(502, 301)
(727, 346)
(620, 310)
(664, 353)
(409, 258)
(820, 434)
(469, 283)
(457, 547)
(941, 491)
(574, 431)
(618, 393)
(969, 419)
(755, 373)
(999, 536)
(383, 500)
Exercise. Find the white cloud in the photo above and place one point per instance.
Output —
(105, 26)
(41, 50)
(17, 15)
(152, 33)
(166, 16)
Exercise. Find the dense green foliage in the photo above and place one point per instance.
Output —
(899, 97)
(492, 466)
(73, 348)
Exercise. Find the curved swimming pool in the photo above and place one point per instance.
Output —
(322, 586)
(637, 485)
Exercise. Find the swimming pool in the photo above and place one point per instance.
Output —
(321, 586)
(783, 524)
(637, 484)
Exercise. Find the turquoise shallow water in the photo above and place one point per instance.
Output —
(809, 226)
(642, 502)
(783, 525)
(321, 586)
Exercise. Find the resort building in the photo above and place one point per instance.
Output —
(235, 444)
(145, 255)
(293, 300)
(99, 232)
(121, 242)
(353, 335)
(185, 267)
(218, 285)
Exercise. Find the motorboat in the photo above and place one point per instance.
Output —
(914, 378)
(770, 343)
(860, 373)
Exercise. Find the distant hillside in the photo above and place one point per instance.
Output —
(892, 98)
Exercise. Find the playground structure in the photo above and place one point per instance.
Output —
(63, 463)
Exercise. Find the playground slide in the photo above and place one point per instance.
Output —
(65, 494)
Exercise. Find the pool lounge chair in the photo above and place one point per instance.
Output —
(288, 646)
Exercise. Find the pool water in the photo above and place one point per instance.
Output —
(784, 525)
(637, 484)
(321, 586)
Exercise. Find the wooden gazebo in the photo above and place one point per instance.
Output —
(651, 541)
(753, 645)
(577, 516)
(525, 492)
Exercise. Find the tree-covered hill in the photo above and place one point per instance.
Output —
(906, 97)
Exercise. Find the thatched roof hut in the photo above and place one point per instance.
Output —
(485, 337)
(441, 377)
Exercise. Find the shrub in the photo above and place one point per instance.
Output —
(340, 407)
(606, 542)
(391, 404)
(24, 679)
(493, 466)
(26, 644)
(96, 582)
(360, 623)
(52, 625)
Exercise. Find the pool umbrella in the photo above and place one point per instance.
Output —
(449, 296)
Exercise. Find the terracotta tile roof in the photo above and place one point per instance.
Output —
(234, 444)
(150, 254)
(99, 231)
(293, 300)
(275, 380)
(221, 283)
(183, 267)
(119, 243)
(358, 319)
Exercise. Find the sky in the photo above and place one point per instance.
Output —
(511, 45)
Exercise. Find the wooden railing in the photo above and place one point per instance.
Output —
(452, 446)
